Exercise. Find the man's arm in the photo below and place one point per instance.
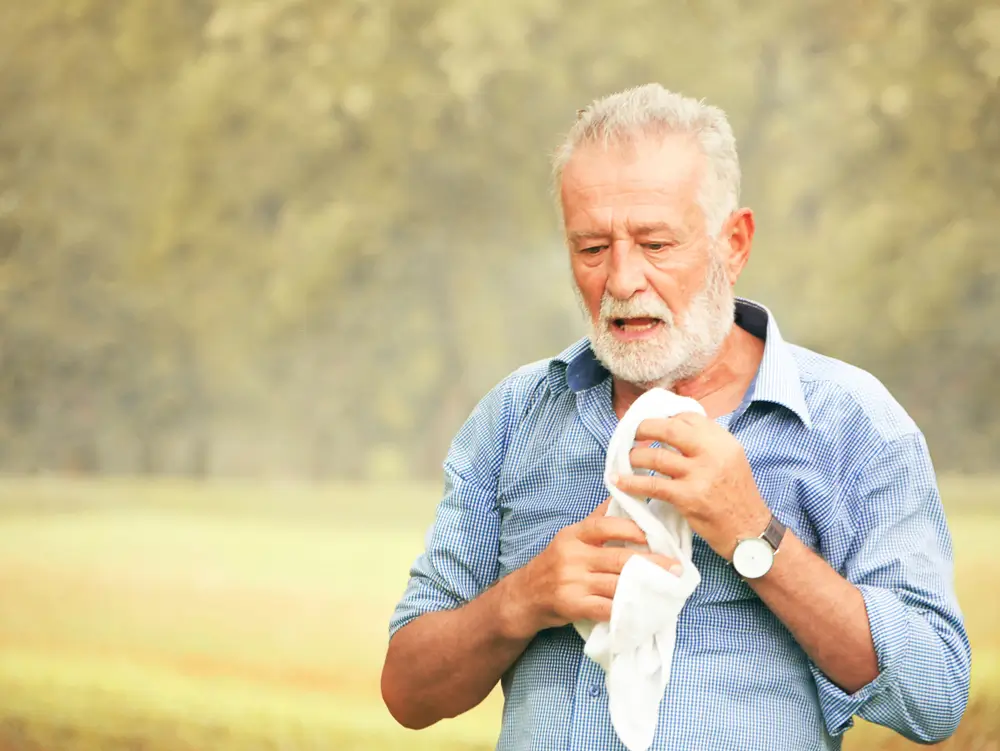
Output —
(825, 613)
(447, 644)
(445, 663)
(886, 639)
(457, 628)
(901, 563)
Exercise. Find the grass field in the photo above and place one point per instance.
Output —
(179, 617)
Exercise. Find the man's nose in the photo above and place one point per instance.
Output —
(627, 274)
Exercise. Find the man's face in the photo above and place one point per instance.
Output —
(656, 289)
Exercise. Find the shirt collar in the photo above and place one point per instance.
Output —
(777, 380)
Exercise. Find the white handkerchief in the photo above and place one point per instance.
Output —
(636, 648)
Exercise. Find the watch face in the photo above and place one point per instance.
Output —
(753, 558)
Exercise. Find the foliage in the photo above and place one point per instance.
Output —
(302, 237)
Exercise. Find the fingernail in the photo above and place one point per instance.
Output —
(676, 569)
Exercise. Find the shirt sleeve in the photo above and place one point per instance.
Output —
(902, 563)
(461, 549)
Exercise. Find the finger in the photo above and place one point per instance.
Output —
(650, 486)
(684, 435)
(670, 564)
(613, 560)
(603, 584)
(664, 461)
(595, 608)
(610, 560)
(601, 510)
(603, 529)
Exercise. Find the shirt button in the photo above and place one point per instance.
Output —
(595, 690)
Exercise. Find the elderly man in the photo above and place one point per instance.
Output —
(852, 613)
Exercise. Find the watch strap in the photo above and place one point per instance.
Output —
(774, 533)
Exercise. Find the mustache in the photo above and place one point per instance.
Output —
(612, 308)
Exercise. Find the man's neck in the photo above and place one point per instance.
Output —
(719, 388)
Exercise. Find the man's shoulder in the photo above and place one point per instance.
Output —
(531, 387)
(545, 373)
(501, 411)
(839, 392)
(531, 374)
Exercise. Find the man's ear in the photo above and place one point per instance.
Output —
(737, 239)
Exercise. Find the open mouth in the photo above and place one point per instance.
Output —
(636, 325)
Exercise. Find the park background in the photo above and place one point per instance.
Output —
(259, 259)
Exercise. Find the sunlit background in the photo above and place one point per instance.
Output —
(259, 260)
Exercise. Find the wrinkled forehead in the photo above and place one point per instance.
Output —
(650, 177)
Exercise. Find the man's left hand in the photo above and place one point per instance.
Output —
(708, 479)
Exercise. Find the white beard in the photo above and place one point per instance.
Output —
(678, 351)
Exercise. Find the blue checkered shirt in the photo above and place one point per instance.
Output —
(837, 460)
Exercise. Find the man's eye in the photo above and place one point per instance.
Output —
(594, 249)
(656, 246)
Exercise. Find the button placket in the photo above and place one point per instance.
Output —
(591, 705)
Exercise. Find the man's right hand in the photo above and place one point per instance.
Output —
(575, 577)
(446, 662)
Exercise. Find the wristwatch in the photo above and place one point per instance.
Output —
(754, 556)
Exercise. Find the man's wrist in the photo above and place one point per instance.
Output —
(514, 612)
(755, 526)
(754, 555)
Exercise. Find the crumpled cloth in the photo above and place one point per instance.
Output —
(636, 647)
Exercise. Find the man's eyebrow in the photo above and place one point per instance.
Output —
(650, 228)
(646, 228)
(587, 234)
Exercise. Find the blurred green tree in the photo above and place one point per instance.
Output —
(304, 237)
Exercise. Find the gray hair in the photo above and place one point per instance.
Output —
(652, 110)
